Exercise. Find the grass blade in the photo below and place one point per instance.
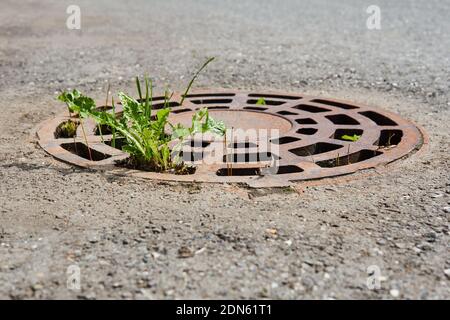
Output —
(195, 77)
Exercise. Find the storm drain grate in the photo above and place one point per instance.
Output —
(312, 139)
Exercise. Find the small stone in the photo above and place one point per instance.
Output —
(394, 293)
(308, 282)
(169, 292)
(447, 273)
(431, 236)
(37, 287)
(437, 195)
(264, 293)
(93, 239)
(185, 252)
(155, 254)
(200, 251)
(424, 246)
(446, 209)
(400, 245)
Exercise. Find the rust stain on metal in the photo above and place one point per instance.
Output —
(310, 145)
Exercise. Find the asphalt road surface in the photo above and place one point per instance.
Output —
(141, 239)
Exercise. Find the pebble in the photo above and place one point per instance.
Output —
(185, 252)
(447, 273)
(155, 254)
(446, 209)
(431, 236)
(308, 282)
(437, 195)
(37, 287)
(93, 239)
(90, 296)
(394, 293)
(400, 245)
(424, 246)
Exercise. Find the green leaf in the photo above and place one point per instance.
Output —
(180, 132)
(195, 77)
(216, 126)
(353, 138)
(261, 102)
(161, 120)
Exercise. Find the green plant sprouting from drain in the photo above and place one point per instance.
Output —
(67, 129)
(347, 137)
(146, 139)
(352, 138)
(261, 102)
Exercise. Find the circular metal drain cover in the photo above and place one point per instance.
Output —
(312, 139)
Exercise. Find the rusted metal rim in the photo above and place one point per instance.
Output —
(310, 145)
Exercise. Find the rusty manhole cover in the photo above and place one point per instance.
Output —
(310, 143)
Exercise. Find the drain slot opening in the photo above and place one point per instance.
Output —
(309, 108)
(389, 138)
(335, 104)
(274, 96)
(238, 172)
(243, 145)
(314, 149)
(342, 119)
(81, 150)
(67, 129)
(305, 121)
(287, 113)
(197, 143)
(255, 108)
(307, 131)
(349, 159)
(200, 95)
(267, 102)
(250, 157)
(379, 119)
(211, 101)
(119, 143)
(171, 104)
(284, 140)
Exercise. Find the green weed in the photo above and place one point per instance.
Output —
(353, 138)
(146, 138)
(261, 102)
(67, 129)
